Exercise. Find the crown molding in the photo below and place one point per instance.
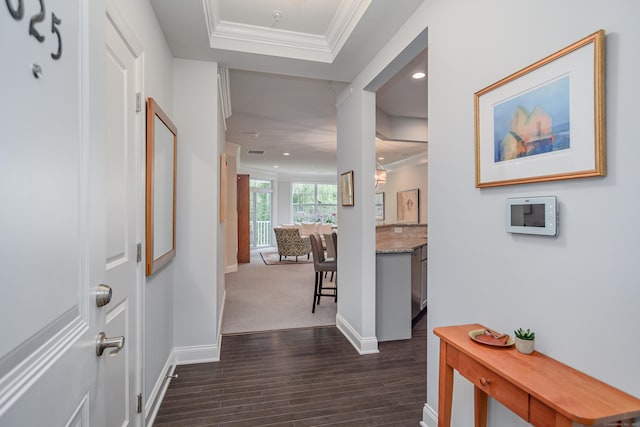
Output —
(235, 36)
(344, 22)
(418, 159)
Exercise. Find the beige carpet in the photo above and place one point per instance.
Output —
(263, 298)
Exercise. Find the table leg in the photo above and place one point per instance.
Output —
(445, 388)
(480, 399)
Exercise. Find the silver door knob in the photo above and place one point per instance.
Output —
(102, 343)
(103, 295)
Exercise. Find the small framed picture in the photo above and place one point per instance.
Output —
(409, 206)
(380, 206)
(346, 188)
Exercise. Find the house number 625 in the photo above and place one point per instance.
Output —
(17, 12)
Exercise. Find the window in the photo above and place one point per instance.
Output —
(315, 202)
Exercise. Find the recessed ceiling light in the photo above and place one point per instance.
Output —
(380, 158)
(286, 154)
(419, 75)
(276, 166)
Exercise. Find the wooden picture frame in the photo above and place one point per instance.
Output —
(545, 122)
(346, 189)
(162, 139)
(408, 206)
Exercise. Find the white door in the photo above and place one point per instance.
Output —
(52, 244)
(124, 272)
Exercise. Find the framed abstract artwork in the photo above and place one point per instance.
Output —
(545, 122)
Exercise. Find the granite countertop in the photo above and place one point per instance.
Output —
(400, 224)
(399, 245)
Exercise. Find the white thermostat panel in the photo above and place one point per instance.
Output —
(533, 215)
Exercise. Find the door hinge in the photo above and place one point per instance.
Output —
(139, 256)
(139, 403)
(138, 102)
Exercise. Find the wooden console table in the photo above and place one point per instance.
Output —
(537, 388)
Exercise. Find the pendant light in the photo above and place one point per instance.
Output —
(381, 176)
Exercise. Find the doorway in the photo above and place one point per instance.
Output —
(260, 212)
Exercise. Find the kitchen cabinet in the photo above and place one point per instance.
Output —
(401, 290)
(418, 280)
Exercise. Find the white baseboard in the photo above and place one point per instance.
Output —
(202, 353)
(219, 331)
(180, 356)
(197, 354)
(367, 345)
(231, 268)
(152, 405)
(429, 416)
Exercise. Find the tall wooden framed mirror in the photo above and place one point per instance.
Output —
(162, 139)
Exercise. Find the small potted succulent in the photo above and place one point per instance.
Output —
(525, 340)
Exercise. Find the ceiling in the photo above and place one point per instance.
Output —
(287, 61)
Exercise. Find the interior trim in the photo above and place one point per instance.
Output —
(116, 17)
(37, 341)
(362, 345)
(155, 397)
(197, 354)
(429, 416)
(29, 361)
(80, 416)
(287, 44)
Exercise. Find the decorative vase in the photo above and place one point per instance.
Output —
(524, 346)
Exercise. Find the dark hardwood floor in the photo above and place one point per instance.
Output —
(303, 377)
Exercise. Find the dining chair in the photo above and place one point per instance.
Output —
(334, 240)
(330, 240)
(322, 265)
(331, 251)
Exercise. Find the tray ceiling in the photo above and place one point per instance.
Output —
(309, 30)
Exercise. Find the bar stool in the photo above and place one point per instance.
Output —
(322, 265)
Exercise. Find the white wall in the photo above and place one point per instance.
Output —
(158, 289)
(199, 260)
(583, 283)
(221, 238)
(403, 178)
(356, 152)
(401, 128)
(283, 214)
(577, 286)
